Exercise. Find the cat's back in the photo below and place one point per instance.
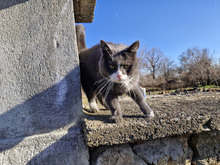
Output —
(91, 55)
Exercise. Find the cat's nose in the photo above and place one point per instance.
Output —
(119, 76)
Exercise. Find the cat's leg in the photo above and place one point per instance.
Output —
(92, 101)
(91, 96)
(137, 96)
(93, 105)
(101, 100)
(112, 102)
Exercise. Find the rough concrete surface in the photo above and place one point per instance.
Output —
(39, 83)
(175, 115)
(39, 71)
(55, 148)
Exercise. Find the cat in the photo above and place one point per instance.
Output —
(110, 70)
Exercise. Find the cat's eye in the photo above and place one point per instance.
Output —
(126, 66)
(112, 66)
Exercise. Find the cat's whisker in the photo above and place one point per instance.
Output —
(99, 81)
(109, 87)
(102, 87)
(105, 95)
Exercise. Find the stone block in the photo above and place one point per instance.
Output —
(165, 151)
(206, 148)
(115, 155)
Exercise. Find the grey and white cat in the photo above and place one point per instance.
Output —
(110, 70)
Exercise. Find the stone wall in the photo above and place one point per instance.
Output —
(40, 100)
(185, 131)
(197, 149)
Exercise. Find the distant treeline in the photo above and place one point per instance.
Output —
(196, 68)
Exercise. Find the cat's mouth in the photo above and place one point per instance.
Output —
(118, 79)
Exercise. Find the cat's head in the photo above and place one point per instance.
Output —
(119, 63)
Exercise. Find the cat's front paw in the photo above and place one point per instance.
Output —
(93, 108)
(150, 115)
(116, 119)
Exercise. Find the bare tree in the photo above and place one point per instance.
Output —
(215, 74)
(168, 68)
(168, 72)
(151, 60)
(196, 64)
(146, 80)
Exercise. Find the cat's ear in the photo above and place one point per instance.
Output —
(134, 47)
(105, 48)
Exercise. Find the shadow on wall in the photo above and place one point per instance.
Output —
(6, 3)
(70, 149)
(45, 112)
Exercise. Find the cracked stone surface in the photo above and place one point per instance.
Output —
(175, 115)
(165, 151)
(116, 155)
(206, 148)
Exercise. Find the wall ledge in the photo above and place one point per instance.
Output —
(175, 116)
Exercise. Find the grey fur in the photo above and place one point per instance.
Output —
(101, 65)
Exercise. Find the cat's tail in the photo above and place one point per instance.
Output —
(80, 35)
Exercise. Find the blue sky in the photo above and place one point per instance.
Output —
(170, 25)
